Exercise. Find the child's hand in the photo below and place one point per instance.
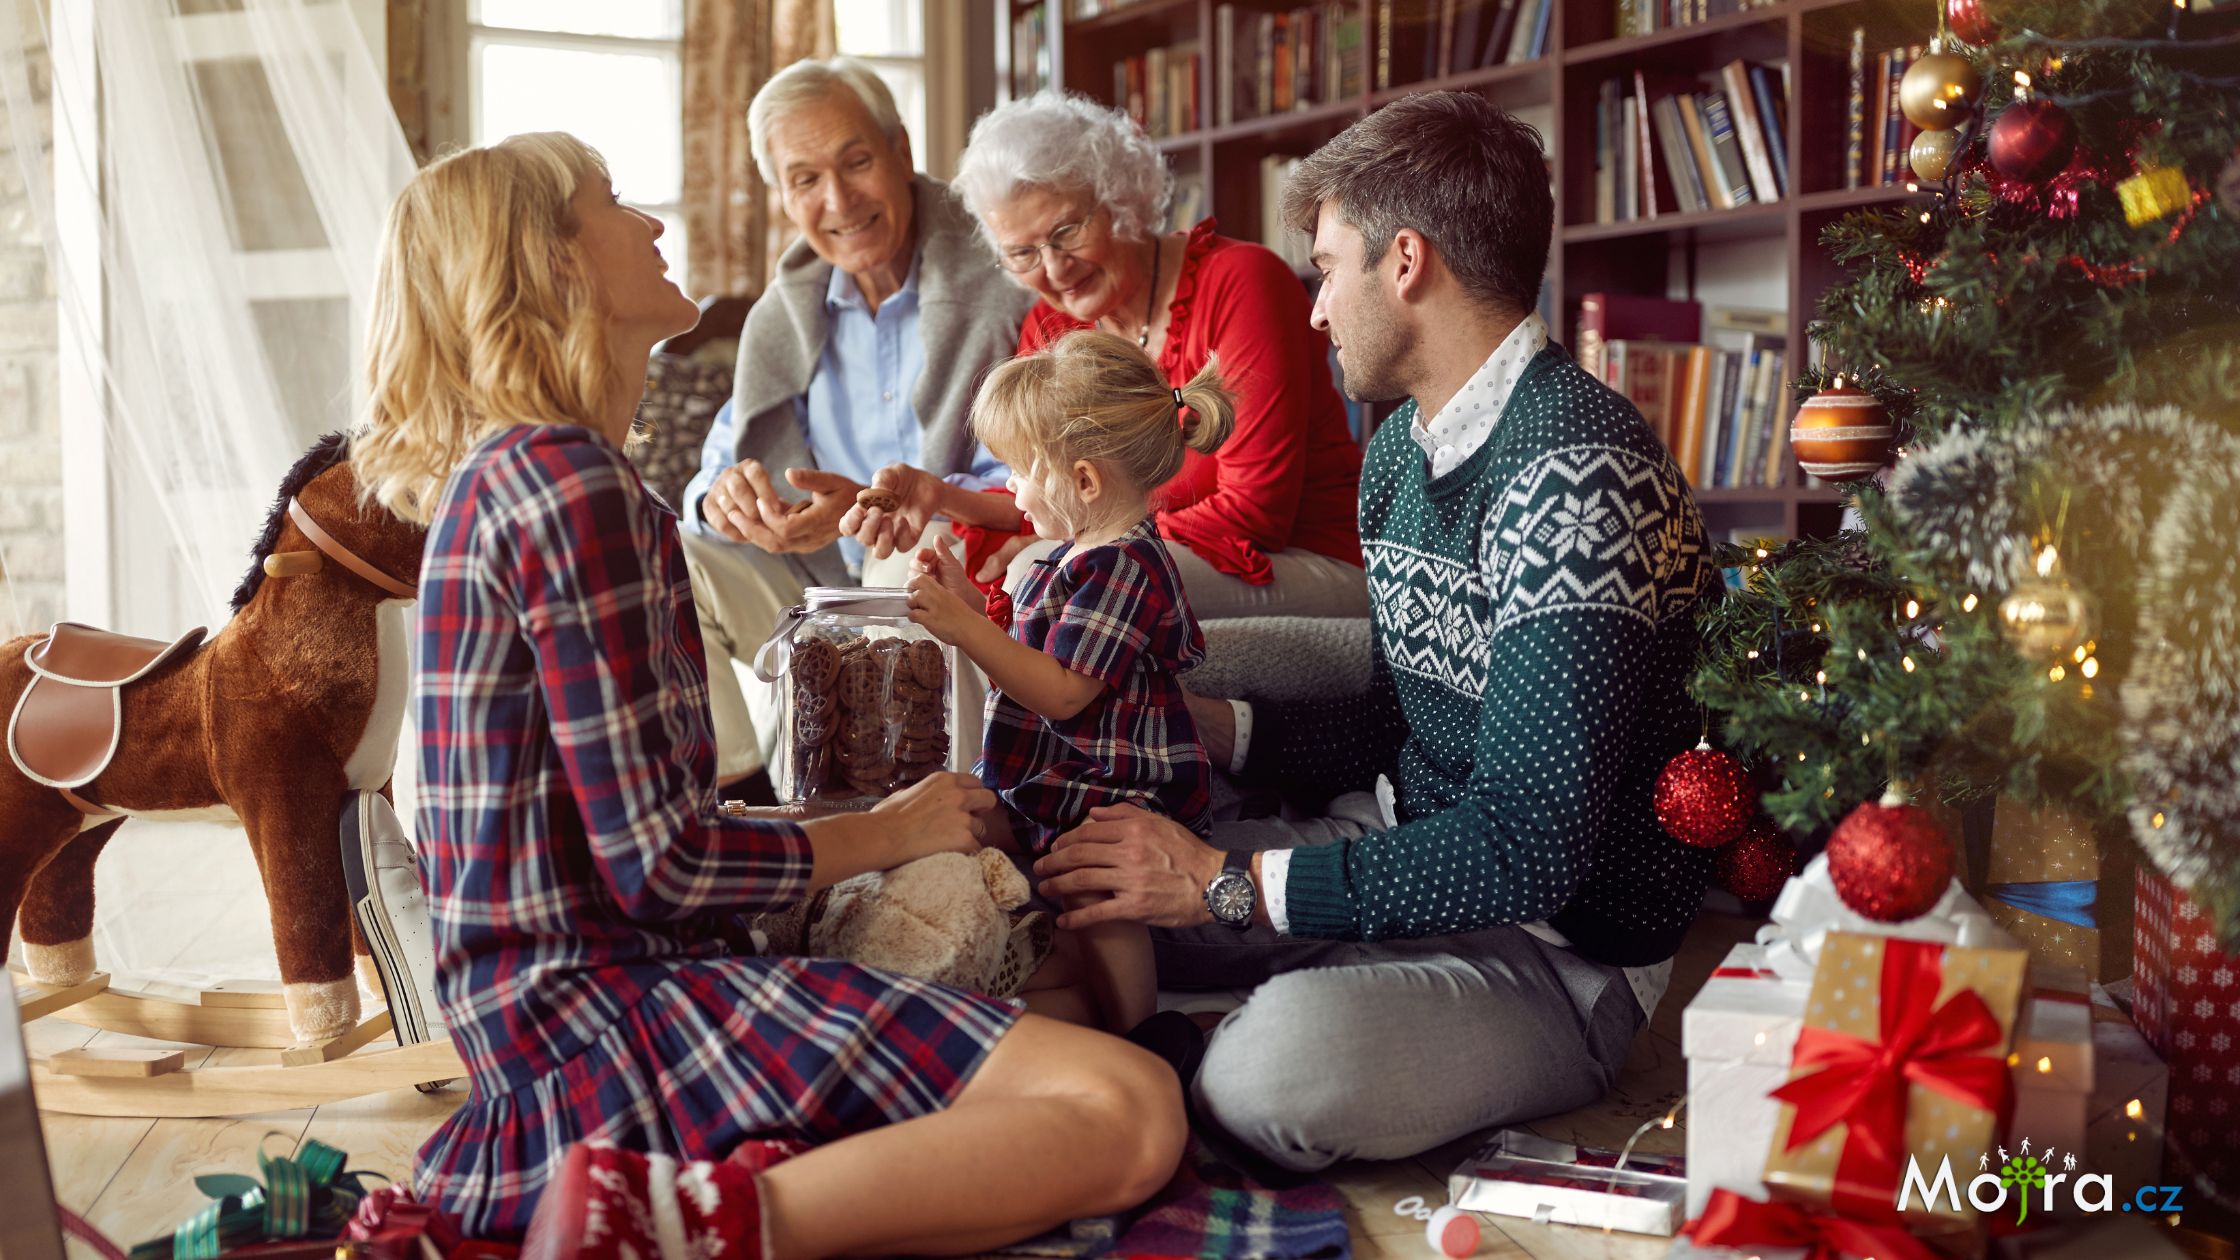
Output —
(946, 615)
(939, 563)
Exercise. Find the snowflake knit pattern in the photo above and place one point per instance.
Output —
(1534, 617)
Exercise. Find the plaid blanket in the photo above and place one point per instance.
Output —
(1212, 1211)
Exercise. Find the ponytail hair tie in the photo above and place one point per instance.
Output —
(1178, 409)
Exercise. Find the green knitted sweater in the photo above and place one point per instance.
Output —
(1534, 628)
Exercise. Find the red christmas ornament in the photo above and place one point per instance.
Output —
(1890, 861)
(2032, 139)
(1704, 797)
(1968, 20)
(1757, 863)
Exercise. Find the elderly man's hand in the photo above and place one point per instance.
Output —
(884, 532)
(745, 507)
(1151, 869)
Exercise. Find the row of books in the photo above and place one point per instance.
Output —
(1293, 247)
(1159, 89)
(1647, 17)
(1667, 144)
(1718, 408)
(1877, 135)
(1430, 39)
(1031, 66)
(1312, 55)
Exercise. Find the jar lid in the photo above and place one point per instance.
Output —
(852, 601)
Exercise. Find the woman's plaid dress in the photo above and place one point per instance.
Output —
(586, 893)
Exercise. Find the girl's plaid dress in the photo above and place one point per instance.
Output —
(586, 893)
(1117, 614)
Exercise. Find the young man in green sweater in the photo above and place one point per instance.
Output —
(1485, 914)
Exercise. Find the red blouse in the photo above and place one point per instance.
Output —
(1290, 474)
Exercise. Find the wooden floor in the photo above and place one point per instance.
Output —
(134, 1179)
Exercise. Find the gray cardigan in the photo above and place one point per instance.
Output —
(968, 316)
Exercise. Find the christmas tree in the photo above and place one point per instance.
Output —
(2042, 601)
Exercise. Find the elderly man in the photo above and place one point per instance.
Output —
(864, 352)
(1476, 928)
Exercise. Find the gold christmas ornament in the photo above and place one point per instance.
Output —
(1932, 154)
(1939, 90)
(1841, 433)
(2156, 191)
(2046, 617)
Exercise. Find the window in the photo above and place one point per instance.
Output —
(890, 37)
(529, 61)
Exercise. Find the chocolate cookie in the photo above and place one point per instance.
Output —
(863, 686)
(877, 498)
(926, 750)
(815, 664)
(812, 769)
(928, 668)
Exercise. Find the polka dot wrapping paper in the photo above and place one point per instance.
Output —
(2040, 857)
(2188, 1007)
(1961, 1005)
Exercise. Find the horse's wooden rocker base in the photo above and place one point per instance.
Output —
(157, 1084)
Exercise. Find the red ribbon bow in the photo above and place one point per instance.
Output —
(1865, 1083)
(1729, 1220)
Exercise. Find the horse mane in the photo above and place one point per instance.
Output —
(328, 451)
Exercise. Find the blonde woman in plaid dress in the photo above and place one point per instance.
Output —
(585, 887)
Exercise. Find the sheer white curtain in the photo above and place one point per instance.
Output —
(207, 181)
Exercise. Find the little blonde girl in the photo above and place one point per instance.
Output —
(1085, 707)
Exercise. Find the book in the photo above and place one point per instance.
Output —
(1501, 24)
(1522, 1174)
(1769, 88)
(1348, 49)
(1893, 118)
(1469, 36)
(1715, 195)
(1726, 148)
(1607, 317)
(1606, 153)
(1750, 134)
(1228, 56)
(1692, 399)
(1530, 15)
(1672, 149)
(1384, 44)
(1855, 126)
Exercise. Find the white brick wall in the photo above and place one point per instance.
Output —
(30, 428)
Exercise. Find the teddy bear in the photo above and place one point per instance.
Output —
(947, 918)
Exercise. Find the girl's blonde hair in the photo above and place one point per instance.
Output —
(1097, 397)
(484, 315)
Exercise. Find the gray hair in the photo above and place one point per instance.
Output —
(1065, 142)
(806, 82)
(1455, 168)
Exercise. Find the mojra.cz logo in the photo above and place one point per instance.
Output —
(2022, 1177)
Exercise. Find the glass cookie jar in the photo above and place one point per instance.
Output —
(864, 694)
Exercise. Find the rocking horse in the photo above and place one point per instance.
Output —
(279, 723)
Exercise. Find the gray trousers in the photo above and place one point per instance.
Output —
(1351, 1050)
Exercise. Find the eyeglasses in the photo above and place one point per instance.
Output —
(1064, 239)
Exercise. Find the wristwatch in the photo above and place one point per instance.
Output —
(1231, 896)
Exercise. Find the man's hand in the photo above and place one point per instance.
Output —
(992, 569)
(882, 532)
(744, 506)
(1217, 728)
(1151, 869)
(938, 814)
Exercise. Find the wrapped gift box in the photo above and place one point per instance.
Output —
(1740, 1032)
(2188, 1008)
(1965, 1004)
(1550, 1182)
(2060, 892)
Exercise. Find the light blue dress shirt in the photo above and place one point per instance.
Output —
(858, 410)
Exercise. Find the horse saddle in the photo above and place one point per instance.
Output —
(66, 725)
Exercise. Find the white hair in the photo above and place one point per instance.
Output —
(807, 82)
(1069, 143)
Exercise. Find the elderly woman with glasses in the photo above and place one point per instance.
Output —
(1071, 196)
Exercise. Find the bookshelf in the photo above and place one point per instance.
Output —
(1081, 42)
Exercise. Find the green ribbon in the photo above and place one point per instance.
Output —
(302, 1193)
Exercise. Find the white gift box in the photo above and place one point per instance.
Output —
(1525, 1175)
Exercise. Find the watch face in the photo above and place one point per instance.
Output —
(1230, 897)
